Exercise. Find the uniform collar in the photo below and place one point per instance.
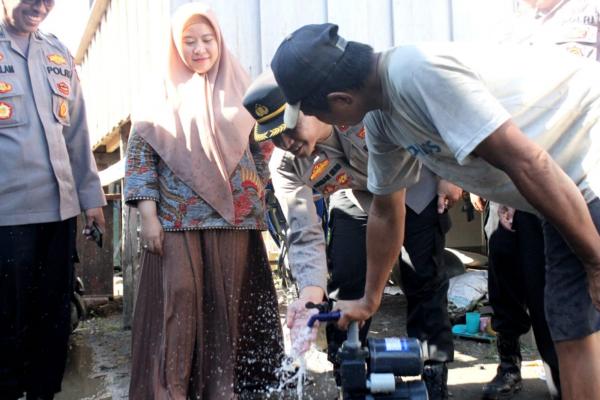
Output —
(332, 145)
(35, 37)
(4, 35)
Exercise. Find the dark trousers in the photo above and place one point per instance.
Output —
(36, 282)
(426, 286)
(516, 268)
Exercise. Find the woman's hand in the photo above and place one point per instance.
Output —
(152, 233)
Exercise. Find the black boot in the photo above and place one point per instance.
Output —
(435, 376)
(507, 381)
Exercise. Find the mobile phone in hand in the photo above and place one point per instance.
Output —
(96, 233)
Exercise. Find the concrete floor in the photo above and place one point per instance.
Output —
(98, 366)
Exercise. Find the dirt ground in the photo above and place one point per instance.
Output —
(98, 367)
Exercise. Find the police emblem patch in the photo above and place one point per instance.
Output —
(5, 87)
(57, 59)
(63, 109)
(343, 179)
(261, 110)
(361, 134)
(64, 88)
(318, 169)
(6, 111)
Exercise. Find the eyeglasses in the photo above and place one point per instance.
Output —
(47, 3)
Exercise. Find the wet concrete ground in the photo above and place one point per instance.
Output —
(98, 366)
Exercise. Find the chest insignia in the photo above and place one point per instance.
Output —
(57, 59)
(64, 88)
(361, 134)
(343, 179)
(1, 56)
(574, 50)
(6, 111)
(5, 87)
(63, 109)
(318, 169)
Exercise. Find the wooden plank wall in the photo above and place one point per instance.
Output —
(123, 57)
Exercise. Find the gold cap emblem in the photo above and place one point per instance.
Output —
(261, 110)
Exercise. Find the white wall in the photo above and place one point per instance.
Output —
(67, 21)
(254, 28)
(127, 51)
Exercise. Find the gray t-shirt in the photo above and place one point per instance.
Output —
(442, 100)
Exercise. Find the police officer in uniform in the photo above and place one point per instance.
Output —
(48, 176)
(333, 160)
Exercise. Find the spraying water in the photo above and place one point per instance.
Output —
(292, 372)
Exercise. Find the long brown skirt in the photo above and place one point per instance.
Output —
(206, 324)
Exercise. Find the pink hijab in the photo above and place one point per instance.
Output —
(199, 128)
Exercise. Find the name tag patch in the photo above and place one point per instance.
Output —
(7, 69)
(59, 71)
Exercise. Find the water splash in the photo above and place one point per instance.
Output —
(292, 372)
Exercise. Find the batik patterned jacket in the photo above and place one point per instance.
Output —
(147, 177)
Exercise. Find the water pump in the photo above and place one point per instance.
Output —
(376, 371)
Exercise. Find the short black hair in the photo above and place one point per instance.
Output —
(349, 73)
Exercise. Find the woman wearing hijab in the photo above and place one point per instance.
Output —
(206, 324)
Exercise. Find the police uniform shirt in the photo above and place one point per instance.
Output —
(48, 172)
(571, 25)
(338, 163)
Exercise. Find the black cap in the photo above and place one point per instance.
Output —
(264, 100)
(302, 62)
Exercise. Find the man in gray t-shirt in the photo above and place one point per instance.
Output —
(316, 157)
(515, 125)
